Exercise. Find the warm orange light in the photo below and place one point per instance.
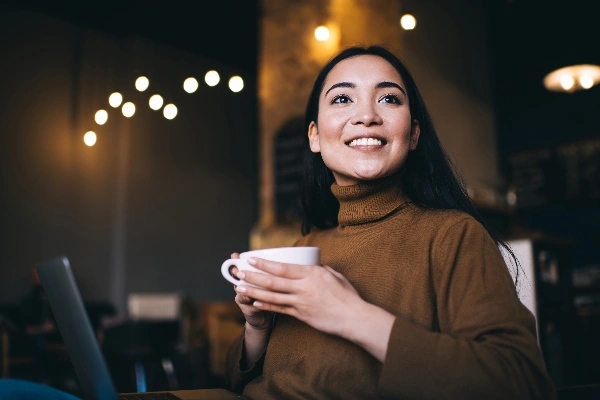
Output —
(236, 84)
(212, 78)
(190, 85)
(115, 99)
(101, 117)
(142, 83)
(128, 109)
(572, 78)
(408, 22)
(89, 138)
(156, 102)
(170, 111)
(322, 33)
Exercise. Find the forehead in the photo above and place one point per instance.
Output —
(366, 69)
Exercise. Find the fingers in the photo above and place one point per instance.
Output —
(270, 282)
(289, 271)
(241, 297)
(235, 255)
(275, 308)
(265, 296)
(333, 271)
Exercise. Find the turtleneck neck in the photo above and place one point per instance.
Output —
(368, 201)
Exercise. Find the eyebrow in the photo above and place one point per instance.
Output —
(384, 84)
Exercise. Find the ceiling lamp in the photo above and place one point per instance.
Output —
(408, 22)
(575, 77)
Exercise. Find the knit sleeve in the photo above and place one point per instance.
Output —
(486, 347)
(237, 378)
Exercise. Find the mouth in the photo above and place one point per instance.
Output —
(363, 141)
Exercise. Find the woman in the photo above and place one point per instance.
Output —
(414, 299)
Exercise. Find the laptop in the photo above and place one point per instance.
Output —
(81, 343)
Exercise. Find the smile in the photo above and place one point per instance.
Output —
(366, 142)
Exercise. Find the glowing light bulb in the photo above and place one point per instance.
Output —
(190, 85)
(89, 138)
(156, 102)
(142, 83)
(567, 82)
(236, 84)
(322, 33)
(101, 117)
(586, 81)
(115, 99)
(170, 111)
(212, 78)
(408, 22)
(128, 109)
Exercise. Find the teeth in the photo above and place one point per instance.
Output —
(365, 142)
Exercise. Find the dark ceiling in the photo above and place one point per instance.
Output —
(531, 38)
(528, 39)
(222, 30)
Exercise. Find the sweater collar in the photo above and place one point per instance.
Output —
(368, 201)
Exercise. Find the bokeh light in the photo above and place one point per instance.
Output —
(408, 22)
(322, 33)
(101, 117)
(190, 85)
(170, 111)
(212, 78)
(156, 102)
(142, 83)
(567, 82)
(128, 109)
(236, 84)
(115, 99)
(89, 138)
(586, 81)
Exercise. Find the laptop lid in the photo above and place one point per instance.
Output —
(76, 330)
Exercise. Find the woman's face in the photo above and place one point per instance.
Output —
(364, 129)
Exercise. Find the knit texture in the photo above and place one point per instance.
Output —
(460, 330)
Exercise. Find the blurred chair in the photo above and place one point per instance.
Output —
(151, 335)
(15, 349)
(224, 322)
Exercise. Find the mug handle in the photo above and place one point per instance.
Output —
(225, 270)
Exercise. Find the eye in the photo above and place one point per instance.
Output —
(390, 98)
(340, 99)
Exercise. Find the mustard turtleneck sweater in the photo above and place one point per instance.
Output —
(460, 330)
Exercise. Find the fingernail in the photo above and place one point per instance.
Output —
(258, 304)
(241, 289)
(252, 261)
(241, 275)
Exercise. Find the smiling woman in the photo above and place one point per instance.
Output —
(413, 299)
(364, 129)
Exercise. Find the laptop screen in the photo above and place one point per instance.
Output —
(76, 330)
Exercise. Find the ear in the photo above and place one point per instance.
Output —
(415, 132)
(313, 138)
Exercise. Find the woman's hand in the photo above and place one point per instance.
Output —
(318, 296)
(258, 319)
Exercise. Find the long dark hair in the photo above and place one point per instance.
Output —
(428, 176)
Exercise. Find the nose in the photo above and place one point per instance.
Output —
(366, 114)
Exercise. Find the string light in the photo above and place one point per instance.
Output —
(115, 99)
(236, 84)
(142, 83)
(89, 138)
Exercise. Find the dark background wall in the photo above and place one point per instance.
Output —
(560, 193)
(155, 205)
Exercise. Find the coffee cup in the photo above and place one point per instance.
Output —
(289, 255)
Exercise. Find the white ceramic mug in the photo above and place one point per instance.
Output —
(290, 255)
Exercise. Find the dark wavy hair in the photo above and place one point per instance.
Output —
(428, 176)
